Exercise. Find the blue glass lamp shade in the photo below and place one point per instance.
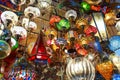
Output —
(114, 44)
(116, 77)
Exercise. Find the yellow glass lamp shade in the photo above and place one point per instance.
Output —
(5, 49)
(105, 69)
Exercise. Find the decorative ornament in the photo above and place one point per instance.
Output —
(32, 12)
(82, 51)
(105, 69)
(114, 44)
(64, 24)
(85, 6)
(9, 17)
(19, 31)
(81, 23)
(93, 2)
(80, 69)
(14, 43)
(95, 8)
(90, 31)
(117, 26)
(116, 77)
(71, 14)
(110, 19)
(54, 19)
(116, 61)
(5, 49)
(18, 2)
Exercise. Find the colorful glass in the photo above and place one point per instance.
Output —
(54, 19)
(85, 6)
(64, 24)
(105, 69)
(116, 77)
(5, 49)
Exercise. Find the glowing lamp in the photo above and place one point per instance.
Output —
(90, 30)
(82, 51)
(54, 19)
(5, 49)
(114, 44)
(71, 14)
(64, 24)
(116, 77)
(85, 6)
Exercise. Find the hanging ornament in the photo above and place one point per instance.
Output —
(14, 44)
(93, 2)
(90, 31)
(80, 69)
(18, 30)
(117, 26)
(82, 51)
(81, 23)
(54, 19)
(63, 25)
(114, 44)
(85, 6)
(95, 8)
(32, 12)
(9, 17)
(110, 19)
(44, 6)
(116, 61)
(5, 49)
(105, 69)
(116, 77)
(18, 2)
(71, 15)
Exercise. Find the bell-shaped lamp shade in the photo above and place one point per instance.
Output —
(114, 44)
(44, 4)
(5, 49)
(117, 26)
(32, 12)
(64, 24)
(71, 14)
(54, 19)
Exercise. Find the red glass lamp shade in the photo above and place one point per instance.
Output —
(54, 19)
(95, 8)
(82, 51)
(90, 30)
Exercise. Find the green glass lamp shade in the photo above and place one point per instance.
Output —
(64, 24)
(14, 43)
(85, 6)
(5, 49)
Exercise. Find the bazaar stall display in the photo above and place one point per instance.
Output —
(59, 40)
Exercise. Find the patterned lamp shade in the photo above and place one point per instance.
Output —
(64, 24)
(114, 44)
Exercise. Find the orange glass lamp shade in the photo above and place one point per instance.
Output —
(91, 30)
(95, 8)
(54, 19)
(105, 69)
(82, 51)
(81, 22)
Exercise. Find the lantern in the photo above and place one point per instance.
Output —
(44, 5)
(18, 30)
(54, 19)
(9, 17)
(95, 8)
(64, 24)
(110, 19)
(85, 6)
(91, 30)
(5, 49)
(114, 44)
(32, 12)
(105, 69)
(81, 23)
(116, 77)
(116, 61)
(117, 26)
(80, 69)
(18, 2)
(93, 2)
(71, 14)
